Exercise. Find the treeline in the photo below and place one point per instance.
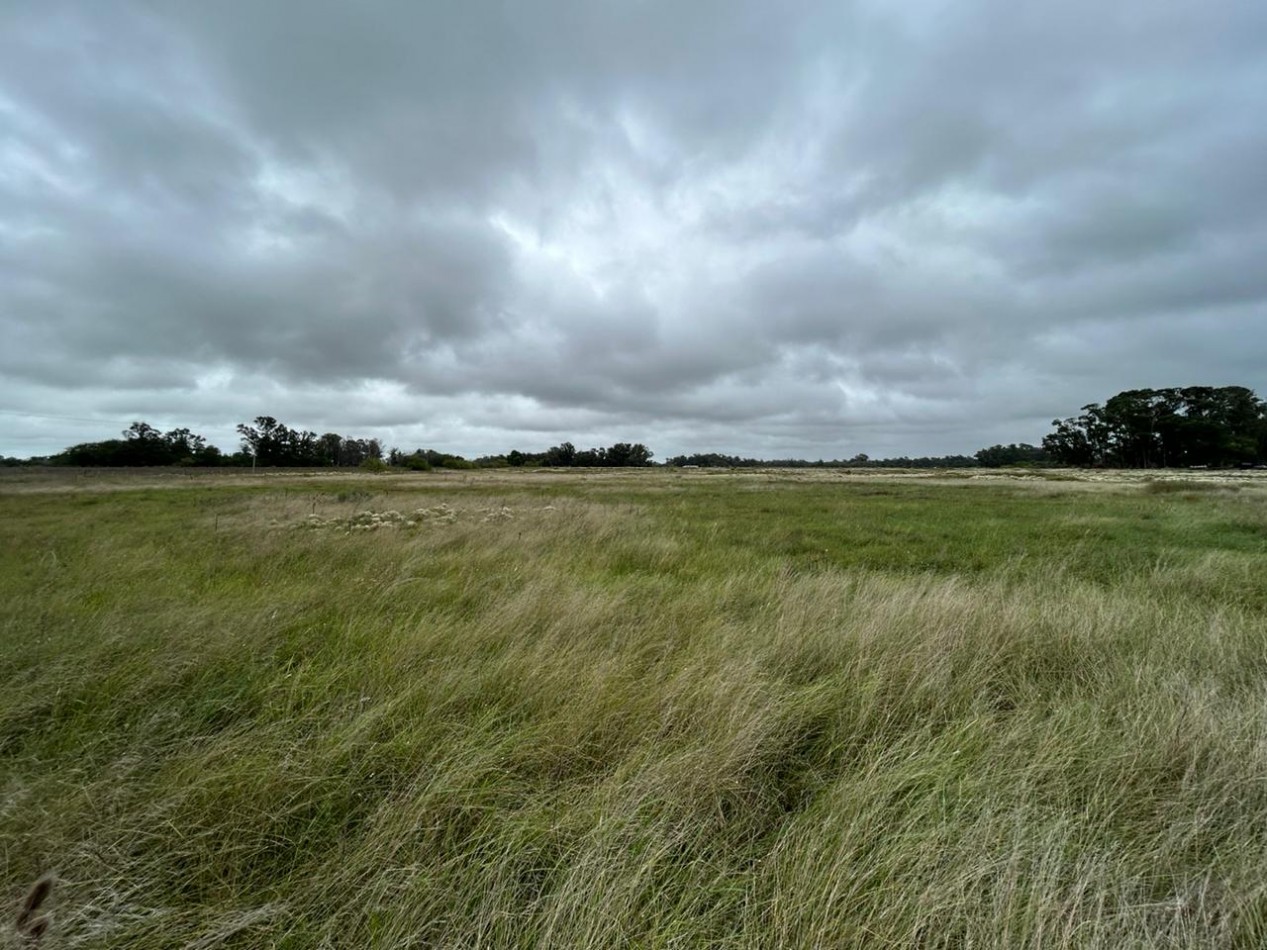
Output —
(620, 455)
(269, 442)
(265, 441)
(1203, 426)
(717, 460)
(142, 444)
(1194, 426)
(993, 457)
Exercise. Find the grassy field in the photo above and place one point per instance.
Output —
(645, 709)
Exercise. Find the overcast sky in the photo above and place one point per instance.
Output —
(769, 228)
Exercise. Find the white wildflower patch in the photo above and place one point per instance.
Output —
(419, 518)
(441, 513)
(361, 521)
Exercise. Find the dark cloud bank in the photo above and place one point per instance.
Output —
(807, 228)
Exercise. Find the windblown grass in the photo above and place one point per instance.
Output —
(637, 711)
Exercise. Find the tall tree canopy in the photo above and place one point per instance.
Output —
(1148, 428)
(142, 444)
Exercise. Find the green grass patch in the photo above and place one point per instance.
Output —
(635, 710)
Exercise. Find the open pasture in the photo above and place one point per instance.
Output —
(636, 709)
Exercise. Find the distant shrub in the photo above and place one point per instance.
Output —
(374, 465)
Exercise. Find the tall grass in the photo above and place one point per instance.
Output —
(638, 713)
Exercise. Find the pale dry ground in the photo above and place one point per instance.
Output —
(637, 709)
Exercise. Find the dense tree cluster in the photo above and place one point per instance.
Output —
(424, 460)
(142, 444)
(265, 441)
(1021, 454)
(269, 442)
(620, 455)
(1161, 428)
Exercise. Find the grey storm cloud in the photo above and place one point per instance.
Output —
(808, 228)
